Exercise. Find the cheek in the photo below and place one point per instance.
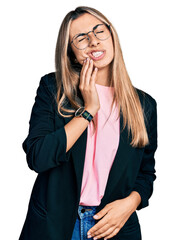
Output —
(80, 57)
(111, 48)
(110, 52)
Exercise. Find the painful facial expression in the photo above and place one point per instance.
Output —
(100, 51)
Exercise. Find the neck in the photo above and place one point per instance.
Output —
(103, 76)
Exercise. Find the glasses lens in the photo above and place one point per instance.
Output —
(81, 41)
(101, 32)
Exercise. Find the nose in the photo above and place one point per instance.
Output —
(93, 41)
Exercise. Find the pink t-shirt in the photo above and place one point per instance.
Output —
(101, 149)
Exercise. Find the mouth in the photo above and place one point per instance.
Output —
(97, 55)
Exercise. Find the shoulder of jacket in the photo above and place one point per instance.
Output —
(48, 81)
(147, 101)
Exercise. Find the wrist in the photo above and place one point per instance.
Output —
(135, 199)
(82, 112)
(91, 111)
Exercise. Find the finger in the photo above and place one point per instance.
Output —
(83, 72)
(94, 74)
(104, 221)
(103, 232)
(116, 230)
(83, 66)
(89, 72)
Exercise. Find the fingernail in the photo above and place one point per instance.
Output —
(90, 60)
(85, 60)
(95, 216)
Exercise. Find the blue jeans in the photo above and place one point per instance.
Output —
(84, 222)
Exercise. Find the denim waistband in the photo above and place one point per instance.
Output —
(87, 207)
(86, 211)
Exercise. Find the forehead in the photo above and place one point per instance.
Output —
(84, 23)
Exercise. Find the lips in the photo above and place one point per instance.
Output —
(97, 55)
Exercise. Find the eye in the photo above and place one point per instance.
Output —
(100, 32)
(81, 39)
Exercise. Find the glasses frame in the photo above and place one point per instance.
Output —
(93, 30)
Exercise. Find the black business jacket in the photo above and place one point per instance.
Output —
(54, 200)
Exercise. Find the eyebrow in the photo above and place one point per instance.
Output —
(82, 34)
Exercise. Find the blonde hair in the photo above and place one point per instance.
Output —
(67, 80)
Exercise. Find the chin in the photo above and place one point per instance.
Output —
(101, 65)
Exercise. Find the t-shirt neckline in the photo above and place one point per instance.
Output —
(103, 86)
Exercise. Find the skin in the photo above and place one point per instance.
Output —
(114, 215)
(84, 24)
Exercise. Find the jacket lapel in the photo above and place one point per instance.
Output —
(78, 151)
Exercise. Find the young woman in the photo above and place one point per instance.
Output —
(92, 139)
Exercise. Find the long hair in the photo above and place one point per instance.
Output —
(67, 80)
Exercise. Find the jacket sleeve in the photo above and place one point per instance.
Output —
(44, 146)
(146, 176)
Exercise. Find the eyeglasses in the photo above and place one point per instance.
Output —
(100, 31)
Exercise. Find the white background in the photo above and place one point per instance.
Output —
(29, 32)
